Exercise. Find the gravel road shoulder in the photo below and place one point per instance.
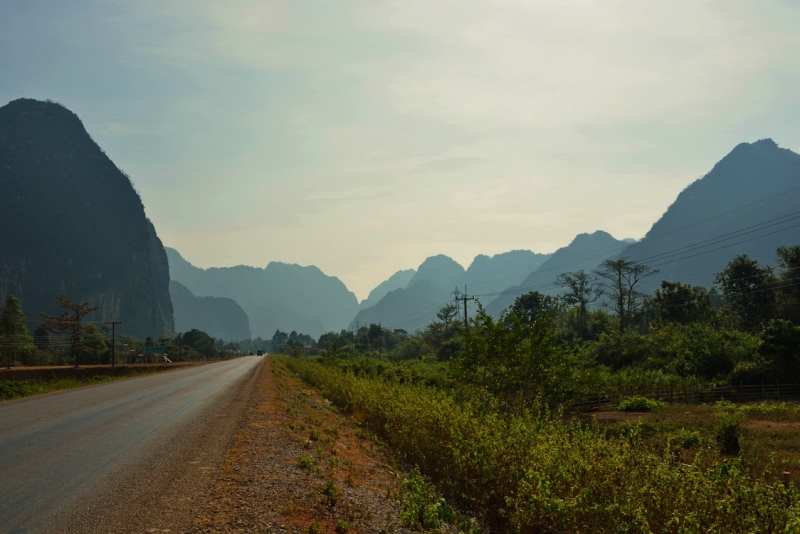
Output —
(295, 462)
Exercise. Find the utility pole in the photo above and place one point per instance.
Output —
(465, 298)
(113, 340)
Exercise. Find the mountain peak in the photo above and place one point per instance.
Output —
(440, 269)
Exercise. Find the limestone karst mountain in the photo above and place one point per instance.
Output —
(749, 203)
(281, 296)
(219, 317)
(72, 223)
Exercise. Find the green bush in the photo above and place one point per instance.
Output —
(530, 472)
(639, 404)
(728, 429)
(421, 505)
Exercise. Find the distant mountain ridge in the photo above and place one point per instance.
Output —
(71, 222)
(411, 307)
(585, 252)
(219, 317)
(280, 296)
(396, 281)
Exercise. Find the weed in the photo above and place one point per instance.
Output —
(306, 462)
(314, 435)
(332, 492)
(342, 527)
(314, 528)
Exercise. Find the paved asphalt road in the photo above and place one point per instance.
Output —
(57, 448)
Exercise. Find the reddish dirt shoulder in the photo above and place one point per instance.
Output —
(293, 462)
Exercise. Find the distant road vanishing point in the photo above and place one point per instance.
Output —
(120, 456)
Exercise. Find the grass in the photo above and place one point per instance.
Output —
(769, 435)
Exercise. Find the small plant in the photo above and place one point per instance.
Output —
(688, 439)
(342, 527)
(421, 505)
(314, 435)
(332, 492)
(314, 528)
(306, 462)
(639, 404)
(728, 428)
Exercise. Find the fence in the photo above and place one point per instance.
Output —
(740, 393)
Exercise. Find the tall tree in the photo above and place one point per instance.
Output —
(582, 290)
(14, 330)
(681, 303)
(94, 342)
(788, 291)
(533, 304)
(748, 293)
(41, 338)
(620, 278)
(70, 323)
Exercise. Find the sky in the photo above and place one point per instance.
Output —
(364, 136)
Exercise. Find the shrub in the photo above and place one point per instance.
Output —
(332, 492)
(306, 462)
(728, 428)
(527, 471)
(639, 404)
(421, 505)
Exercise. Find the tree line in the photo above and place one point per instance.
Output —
(70, 339)
(604, 333)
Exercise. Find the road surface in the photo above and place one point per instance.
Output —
(103, 458)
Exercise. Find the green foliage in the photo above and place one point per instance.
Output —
(780, 347)
(687, 439)
(332, 492)
(681, 303)
(530, 306)
(15, 340)
(529, 472)
(422, 507)
(306, 462)
(314, 528)
(748, 293)
(200, 342)
(728, 430)
(342, 527)
(516, 361)
(640, 404)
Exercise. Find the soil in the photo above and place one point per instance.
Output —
(295, 465)
(617, 416)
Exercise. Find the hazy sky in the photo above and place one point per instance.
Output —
(362, 137)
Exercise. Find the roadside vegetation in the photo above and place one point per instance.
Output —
(13, 389)
(493, 414)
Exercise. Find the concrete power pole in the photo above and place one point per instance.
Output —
(464, 298)
(113, 340)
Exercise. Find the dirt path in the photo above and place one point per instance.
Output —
(296, 466)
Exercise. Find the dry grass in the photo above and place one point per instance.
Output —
(770, 434)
